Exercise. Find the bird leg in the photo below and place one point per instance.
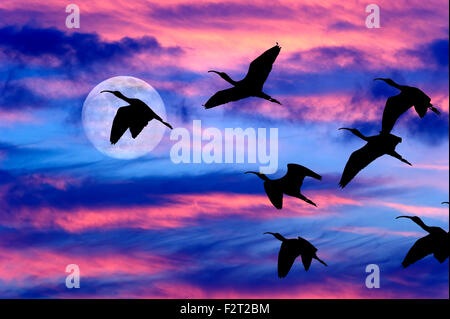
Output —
(399, 157)
(435, 110)
(302, 197)
(268, 98)
(224, 76)
(167, 124)
(321, 261)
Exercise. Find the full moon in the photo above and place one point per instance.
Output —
(99, 110)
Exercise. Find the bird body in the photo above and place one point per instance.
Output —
(398, 104)
(436, 243)
(134, 116)
(289, 184)
(376, 146)
(251, 85)
(292, 248)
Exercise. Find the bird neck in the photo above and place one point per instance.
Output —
(359, 134)
(393, 84)
(277, 236)
(227, 78)
(423, 225)
(263, 177)
(120, 95)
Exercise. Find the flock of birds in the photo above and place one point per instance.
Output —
(137, 115)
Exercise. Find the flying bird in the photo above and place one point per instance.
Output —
(251, 85)
(134, 117)
(289, 184)
(376, 146)
(290, 250)
(436, 243)
(398, 104)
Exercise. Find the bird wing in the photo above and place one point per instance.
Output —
(297, 173)
(121, 123)
(288, 253)
(260, 68)
(137, 127)
(395, 106)
(225, 96)
(306, 260)
(357, 161)
(421, 248)
(274, 193)
(421, 102)
(441, 251)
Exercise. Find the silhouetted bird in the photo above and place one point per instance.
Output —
(399, 104)
(436, 243)
(289, 184)
(290, 250)
(134, 117)
(378, 145)
(251, 85)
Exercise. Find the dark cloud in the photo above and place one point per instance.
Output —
(434, 54)
(344, 26)
(77, 49)
(431, 129)
(329, 56)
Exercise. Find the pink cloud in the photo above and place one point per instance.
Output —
(9, 118)
(181, 211)
(434, 212)
(18, 265)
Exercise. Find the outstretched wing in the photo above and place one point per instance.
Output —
(306, 260)
(137, 127)
(421, 248)
(141, 117)
(297, 173)
(121, 123)
(395, 106)
(260, 68)
(357, 161)
(288, 253)
(225, 96)
(275, 194)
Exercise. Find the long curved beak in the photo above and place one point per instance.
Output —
(382, 79)
(445, 203)
(403, 217)
(269, 233)
(251, 172)
(106, 91)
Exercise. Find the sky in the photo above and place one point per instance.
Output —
(151, 228)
